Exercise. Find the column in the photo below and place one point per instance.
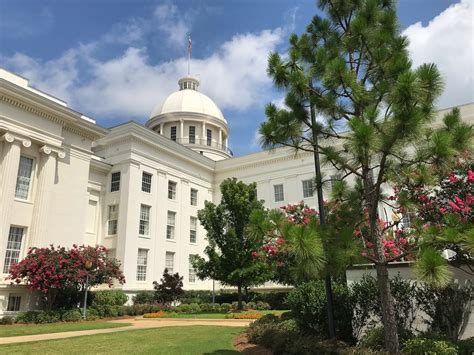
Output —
(160, 129)
(39, 222)
(220, 138)
(227, 142)
(8, 176)
(203, 137)
(181, 130)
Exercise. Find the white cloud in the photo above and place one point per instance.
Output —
(129, 86)
(172, 24)
(447, 40)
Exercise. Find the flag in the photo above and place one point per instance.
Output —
(190, 45)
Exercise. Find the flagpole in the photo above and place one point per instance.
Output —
(189, 54)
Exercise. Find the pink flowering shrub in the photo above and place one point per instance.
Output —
(47, 270)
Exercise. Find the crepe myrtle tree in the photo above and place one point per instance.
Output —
(352, 67)
(50, 271)
(230, 244)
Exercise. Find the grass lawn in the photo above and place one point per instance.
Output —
(211, 315)
(31, 329)
(170, 340)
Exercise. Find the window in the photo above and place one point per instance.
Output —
(112, 220)
(308, 188)
(144, 227)
(115, 182)
(192, 271)
(13, 303)
(146, 182)
(172, 190)
(278, 190)
(192, 135)
(209, 137)
(169, 262)
(173, 133)
(192, 229)
(194, 197)
(141, 264)
(23, 180)
(12, 252)
(170, 225)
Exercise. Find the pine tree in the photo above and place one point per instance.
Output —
(352, 66)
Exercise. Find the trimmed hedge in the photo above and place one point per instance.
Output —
(108, 298)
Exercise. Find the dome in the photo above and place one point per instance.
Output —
(188, 99)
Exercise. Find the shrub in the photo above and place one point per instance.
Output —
(251, 305)
(262, 306)
(7, 320)
(429, 347)
(309, 307)
(48, 317)
(226, 307)
(92, 314)
(373, 339)
(466, 346)
(448, 308)
(211, 308)
(197, 296)
(73, 315)
(235, 305)
(108, 298)
(28, 317)
(144, 297)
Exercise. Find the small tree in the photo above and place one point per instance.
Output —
(53, 270)
(230, 244)
(169, 289)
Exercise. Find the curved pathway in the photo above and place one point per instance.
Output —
(137, 323)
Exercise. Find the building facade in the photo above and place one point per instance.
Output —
(133, 188)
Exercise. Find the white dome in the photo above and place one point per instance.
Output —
(189, 100)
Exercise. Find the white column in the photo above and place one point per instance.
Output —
(220, 138)
(203, 137)
(181, 130)
(160, 129)
(8, 175)
(227, 142)
(39, 222)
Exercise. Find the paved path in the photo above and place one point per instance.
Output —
(138, 323)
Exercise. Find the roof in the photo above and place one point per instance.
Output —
(189, 100)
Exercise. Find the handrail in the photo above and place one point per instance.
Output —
(205, 143)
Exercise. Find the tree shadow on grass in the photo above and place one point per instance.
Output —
(223, 352)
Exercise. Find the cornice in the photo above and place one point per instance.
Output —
(36, 104)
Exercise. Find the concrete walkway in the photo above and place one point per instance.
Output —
(137, 323)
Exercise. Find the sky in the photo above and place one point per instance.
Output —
(115, 60)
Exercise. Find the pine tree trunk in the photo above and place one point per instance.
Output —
(239, 297)
(388, 310)
(383, 281)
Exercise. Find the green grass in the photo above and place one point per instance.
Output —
(211, 315)
(169, 340)
(32, 329)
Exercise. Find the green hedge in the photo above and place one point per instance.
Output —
(108, 298)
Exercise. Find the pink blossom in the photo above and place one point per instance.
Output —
(453, 178)
(470, 176)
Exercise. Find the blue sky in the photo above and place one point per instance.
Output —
(116, 60)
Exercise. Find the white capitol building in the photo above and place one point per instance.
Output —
(133, 188)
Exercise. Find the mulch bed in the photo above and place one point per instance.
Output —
(242, 345)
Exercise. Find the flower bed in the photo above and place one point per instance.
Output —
(245, 315)
(159, 314)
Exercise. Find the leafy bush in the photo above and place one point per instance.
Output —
(235, 305)
(169, 289)
(7, 320)
(188, 308)
(211, 308)
(28, 317)
(48, 317)
(92, 314)
(309, 307)
(197, 296)
(466, 346)
(144, 297)
(108, 298)
(425, 346)
(262, 306)
(447, 307)
(73, 315)
(373, 339)
(226, 307)
(251, 305)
